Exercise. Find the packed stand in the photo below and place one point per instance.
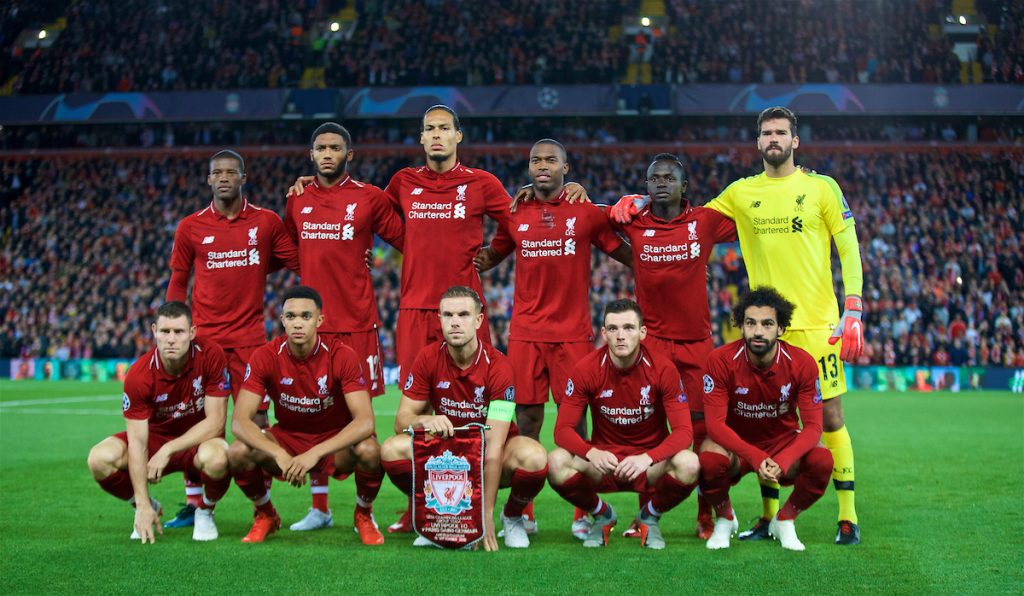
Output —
(86, 242)
(1002, 58)
(170, 45)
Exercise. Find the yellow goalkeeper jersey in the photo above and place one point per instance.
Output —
(785, 226)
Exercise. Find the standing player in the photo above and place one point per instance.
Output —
(754, 389)
(333, 223)
(174, 406)
(466, 381)
(325, 421)
(672, 242)
(787, 220)
(231, 245)
(551, 328)
(631, 392)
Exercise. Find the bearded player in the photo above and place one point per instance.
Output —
(334, 222)
(550, 329)
(632, 393)
(467, 381)
(762, 400)
(231, 245)
(325, 421)
(787, 220)
(174, 407)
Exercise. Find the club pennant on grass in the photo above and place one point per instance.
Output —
(447, 480)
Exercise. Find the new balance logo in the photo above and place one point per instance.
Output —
(648, 233)
(798, 225)
(208, 240)
(416, 191)
(742, 391)
(306, 210)
(524, 227)
(444, 385)
(287, 381)
(161, 397)
(755, 204)
(606, 393)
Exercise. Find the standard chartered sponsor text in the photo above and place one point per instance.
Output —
(320, 231)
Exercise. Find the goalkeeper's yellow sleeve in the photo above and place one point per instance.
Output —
(849, 257)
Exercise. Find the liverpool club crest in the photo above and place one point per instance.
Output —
(448, 489)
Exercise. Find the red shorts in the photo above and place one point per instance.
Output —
(238, 361)
(700, 432)
(183, 461)
(367, 346)
(689, 358)
(538, 367)
(610, 484)
(417, 328)
(298, 443)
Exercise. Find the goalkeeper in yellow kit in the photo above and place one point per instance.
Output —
(786, 220)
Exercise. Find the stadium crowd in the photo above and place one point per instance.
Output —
(175, 45)
(86, 243)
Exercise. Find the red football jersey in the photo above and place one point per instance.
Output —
(552, 240)
(461, 395)
(670, 263)
(231, 259)
(747, 409)
(333, 227)
(308, 394)
(174, 404)
(444, 228)
(629, 408)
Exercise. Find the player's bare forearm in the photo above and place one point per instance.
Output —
(354, 432)
(138, 459)
(623, 254)
(492, 478)
(410, 413)
(210, 427)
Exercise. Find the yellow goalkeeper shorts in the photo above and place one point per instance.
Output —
(830, 367)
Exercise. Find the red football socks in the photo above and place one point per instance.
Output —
(525, 486)
(579, 491)
(400, 473)
(118, 484)
(811, 482)
(368, 484)
(669, 492)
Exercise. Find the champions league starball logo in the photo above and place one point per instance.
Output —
(448, 489)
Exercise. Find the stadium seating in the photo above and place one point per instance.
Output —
(86, 243)
(105, 45)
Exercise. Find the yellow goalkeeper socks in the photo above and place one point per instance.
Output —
(769, 499)
(839, 444)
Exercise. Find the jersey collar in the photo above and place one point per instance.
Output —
(157, 364)
(246, 210)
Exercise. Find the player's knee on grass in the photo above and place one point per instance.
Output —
(240, 457)
(832, 415)
(396, 448)
(212, 458)
(684, 467)
(523, 453)
(107, 457)
(367, 454)
(560, 466)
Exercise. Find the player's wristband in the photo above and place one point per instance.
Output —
(853, 303)
(501, 411)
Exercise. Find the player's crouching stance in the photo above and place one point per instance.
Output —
(631, 394)
(325, 421)
(466, 381)
(753, 389)
(174, 406)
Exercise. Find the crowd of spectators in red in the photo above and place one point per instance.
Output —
(85, 243)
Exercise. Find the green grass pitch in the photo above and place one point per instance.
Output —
(940, 495)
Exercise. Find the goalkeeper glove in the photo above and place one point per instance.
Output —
(627, 207)
(850, 329)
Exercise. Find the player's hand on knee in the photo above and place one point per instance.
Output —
(634, 465)
(145, 519)
(156, 466)
(523, 195)
(575, 193)
(604, 461)
(300, 185)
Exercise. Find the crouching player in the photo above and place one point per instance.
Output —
(631, 394)
(467, 381)
(325, 421)
(174, 406)
(754, 388)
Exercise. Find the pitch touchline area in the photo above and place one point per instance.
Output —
(78, 399)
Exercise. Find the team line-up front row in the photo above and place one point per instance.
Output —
(762, 409)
